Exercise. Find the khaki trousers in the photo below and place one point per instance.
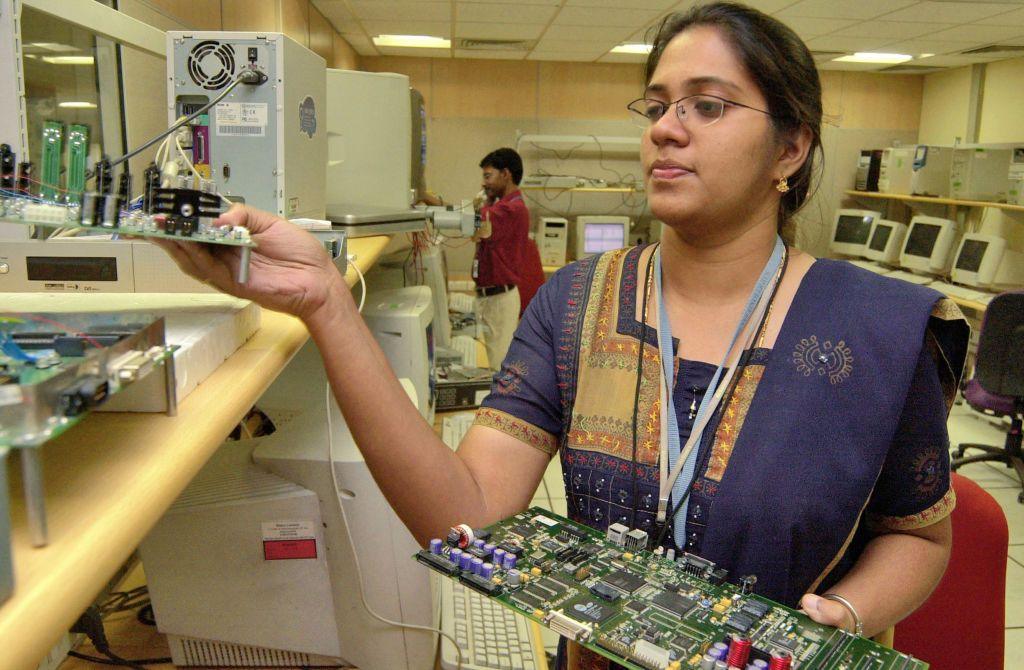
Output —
(499, 316)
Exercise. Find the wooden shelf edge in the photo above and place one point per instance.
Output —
(874, 195)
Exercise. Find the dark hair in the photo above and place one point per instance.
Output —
(781, 65)
(505, 159)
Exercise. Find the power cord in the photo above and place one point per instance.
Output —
(90, 623)
(348, 532)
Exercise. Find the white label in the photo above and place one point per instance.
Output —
(10, 394)
(241, 118)
(287, 530)
(540, 518)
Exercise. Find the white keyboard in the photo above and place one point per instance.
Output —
(490, 635)
(461, 302)
(465, 345)
(872, 266)
(920, 280)
(454, 427)
(961, 292)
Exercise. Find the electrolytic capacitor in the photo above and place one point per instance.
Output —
(489, 548)
(758, 664)
(512, 578)
(454, 555)
(478, 543)
(465, 561)
(435, 546)
(476, 566)
(721, 665)
(720, 650)
(487, 570)
(708, 662)
(509, 561)
(498, 556)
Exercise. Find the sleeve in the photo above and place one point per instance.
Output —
(524, 401)
(503, 222)
(913, 489)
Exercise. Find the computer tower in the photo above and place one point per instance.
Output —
(931, 170)
(554, 240)
(980, 173)
(265, 144)
(868, 166)
(897, 170)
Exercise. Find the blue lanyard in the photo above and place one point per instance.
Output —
(670, 436)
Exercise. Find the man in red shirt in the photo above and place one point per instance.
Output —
(500, 245)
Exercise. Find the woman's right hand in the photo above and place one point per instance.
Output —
(289, 271)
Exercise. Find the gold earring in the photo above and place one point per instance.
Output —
(783, 185)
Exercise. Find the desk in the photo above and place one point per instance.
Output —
(111, 478)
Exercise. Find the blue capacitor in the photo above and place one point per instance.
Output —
(477, 566)
(465, 561)
(509, 561)
(478, 543)
(454, 555)
(720, 650)
(487, 570)
(489, 548)
(758, 664)
(435, 546)
(497, 557)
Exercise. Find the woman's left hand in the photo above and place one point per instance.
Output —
(826, 612)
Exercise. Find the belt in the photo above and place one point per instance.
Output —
(484, 291)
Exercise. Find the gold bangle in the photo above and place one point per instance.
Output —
(858, 625)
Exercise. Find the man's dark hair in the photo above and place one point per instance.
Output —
(505, 159)
(781, 65)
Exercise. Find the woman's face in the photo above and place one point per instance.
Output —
(700, 178)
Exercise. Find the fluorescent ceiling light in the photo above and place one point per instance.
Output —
(77, 104)
(69, 60)
(55, 47)
(632, 49)
(871, 57)
(926, 55)
(419, 41)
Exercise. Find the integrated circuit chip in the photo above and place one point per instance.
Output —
(624, 581)
(589, 609)
(602, 590)
(528, 599)
(674, 603)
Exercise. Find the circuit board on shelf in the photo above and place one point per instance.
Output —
(55, 369)
(644, 610)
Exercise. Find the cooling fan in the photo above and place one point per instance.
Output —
(211, 64)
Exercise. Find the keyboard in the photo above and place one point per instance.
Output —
(962, 292)
(490, 635)
(871, 265)
(920, 280)
(454, 427)
(465, 345)
(461, 302)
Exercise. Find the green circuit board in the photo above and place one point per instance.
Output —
(640, 608)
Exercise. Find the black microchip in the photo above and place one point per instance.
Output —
(522, 529)
(625, 581)
(781, 640)
(551, 585)
(755, 608)
(528, 599)
(478, 552)
(636, 606)
(602, 590)
(591, 549)
(540, 591)
(673, 602)
(589, 609)
(740, 622)
(482, 534)
(511, 548)
(551, 545)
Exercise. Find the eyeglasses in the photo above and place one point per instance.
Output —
(703, 110)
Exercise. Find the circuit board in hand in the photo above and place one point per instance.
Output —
(639, 608)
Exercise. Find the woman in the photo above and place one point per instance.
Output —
(823, 463)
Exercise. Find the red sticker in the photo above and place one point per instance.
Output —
(278, 550)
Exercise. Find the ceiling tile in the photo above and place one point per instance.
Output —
(915, 47)
(895, 30)
(976, 33)
(948, 12)
(830, 9)
(407, 27)
(851, 44)
(365, 50)
(499, 31)
(586, 33)
(946, 61)
(805, 26)
(622, 58)
(375, 10)
(503, 13)
(1014, 18)
(335, 11)
(489, 55)
(560, 56)
(600, 16)
(657, 5)
(570, 46)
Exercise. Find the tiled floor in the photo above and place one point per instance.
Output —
(966, 425)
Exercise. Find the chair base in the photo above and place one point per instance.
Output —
(990, 453)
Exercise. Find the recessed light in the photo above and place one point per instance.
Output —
(925, 55)
(69, 60)
(77, 104)
(418, 41)
(632, 49)
(871, 57)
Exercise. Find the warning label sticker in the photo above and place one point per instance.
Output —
(241, 118)
(287, 540)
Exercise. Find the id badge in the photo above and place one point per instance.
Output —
(476, 268)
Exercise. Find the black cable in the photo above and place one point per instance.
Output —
(145, 615)
(113, 659)
(639, 378)
(252, 77)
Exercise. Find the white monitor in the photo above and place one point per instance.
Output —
(851, 231)
(928, 246)
(597, 234)
(886, 241)
(401, 320)
(986, 262)
(428, 268)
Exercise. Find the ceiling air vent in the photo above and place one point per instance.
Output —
(911, 69)
(995, 50)
(494, 45)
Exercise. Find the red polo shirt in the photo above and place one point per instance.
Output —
(500, 256)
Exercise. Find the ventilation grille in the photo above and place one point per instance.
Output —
(494, 45)
(995, 50)
(191, 651)
(211, 64)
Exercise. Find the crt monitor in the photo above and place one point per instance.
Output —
(597, 234)
(428, 268)
(985, 262)
(886, 241)
(851, 230)
(928, 246)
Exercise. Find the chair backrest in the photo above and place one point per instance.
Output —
(961, 625)
(1000, 365)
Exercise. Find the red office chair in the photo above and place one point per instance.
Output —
(961, 625)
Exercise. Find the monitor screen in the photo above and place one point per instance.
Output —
(853, 229)
(971, 254)
(880, 238)
(921, 240)
(600, 237)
